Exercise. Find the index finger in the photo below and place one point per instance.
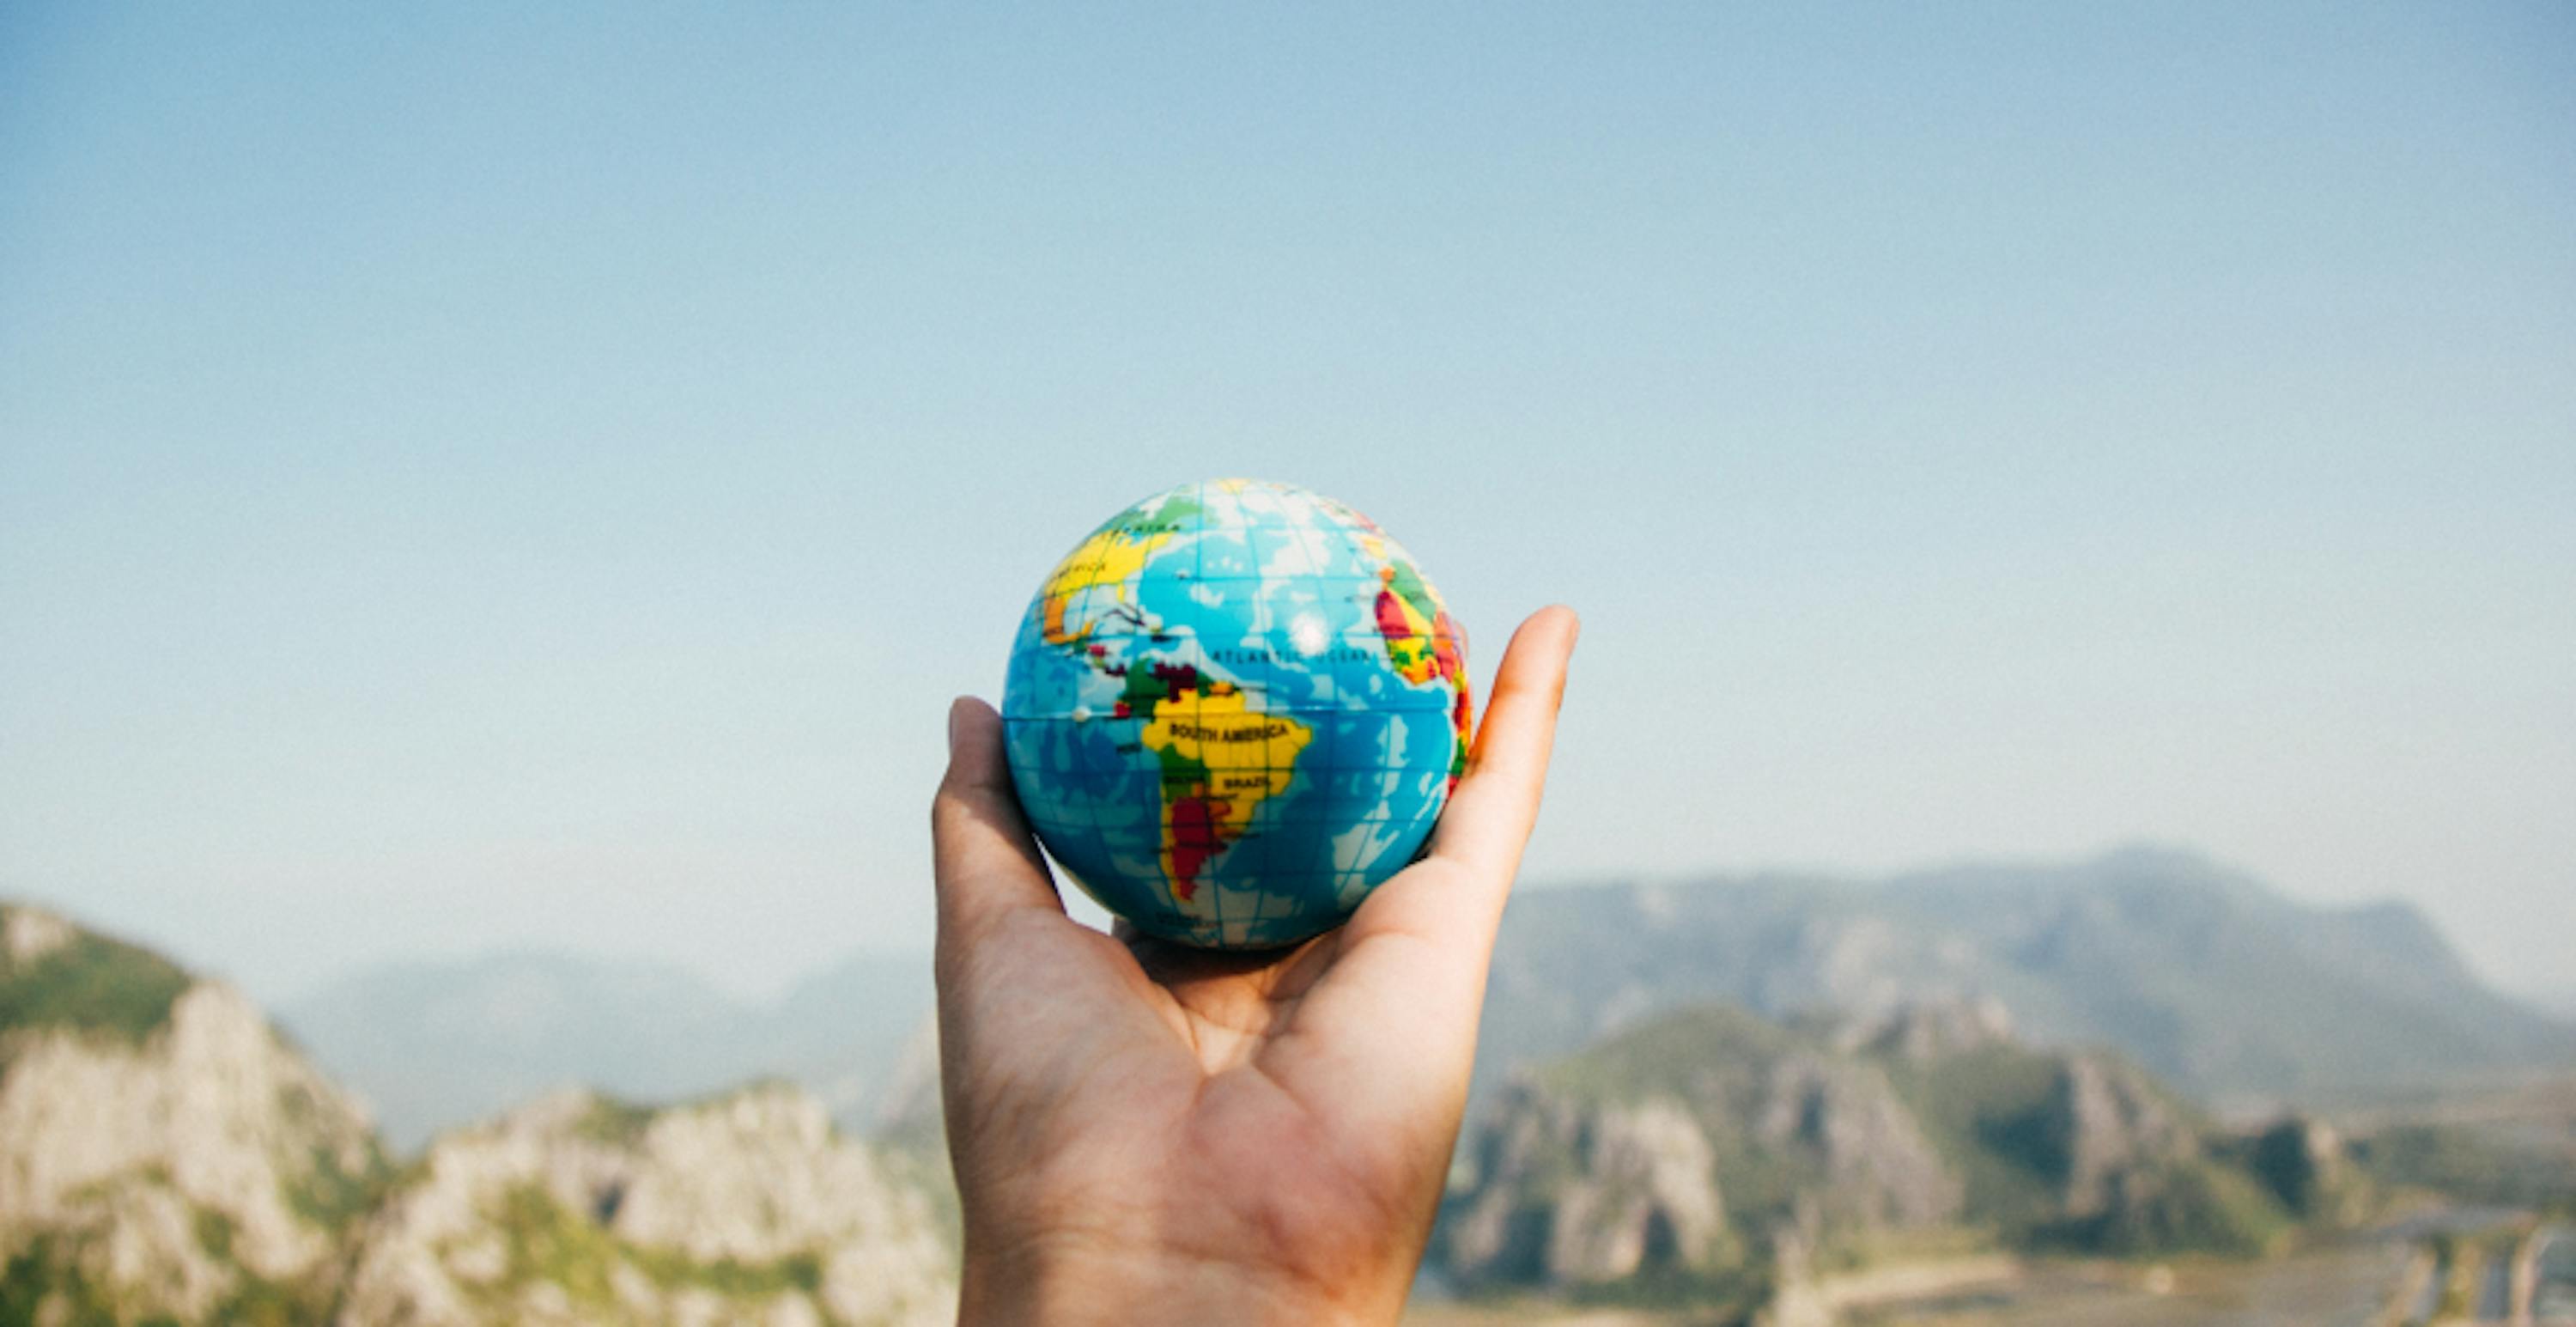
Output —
(1403, 992)
(1456, 894)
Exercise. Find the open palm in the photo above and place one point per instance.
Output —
(1145, 1132)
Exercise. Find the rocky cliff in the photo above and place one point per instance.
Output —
(575, 1209)
(1582, 1194)
(166, 1157)
(162, 1152)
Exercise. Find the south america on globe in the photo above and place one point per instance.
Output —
(1235, 709)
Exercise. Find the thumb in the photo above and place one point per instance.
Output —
(985, 861)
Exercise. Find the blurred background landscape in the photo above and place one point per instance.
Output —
(2060, 817)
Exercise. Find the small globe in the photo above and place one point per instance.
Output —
(1235, 709)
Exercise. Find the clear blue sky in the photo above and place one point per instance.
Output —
(518, 475)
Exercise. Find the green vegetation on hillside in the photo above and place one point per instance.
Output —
(2190, 1205)
(1720, 1060)
(91, 983)
(1989, 1110)
(256, 1301)
(1720, 1046)
(553, 1244)
(42, 1288)
(325, 1192)
(334, 1198)
(1999, 1113)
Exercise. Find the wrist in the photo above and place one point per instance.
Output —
(1041, 1283)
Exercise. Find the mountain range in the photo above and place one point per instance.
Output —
(2242, 998)
(2210, 979)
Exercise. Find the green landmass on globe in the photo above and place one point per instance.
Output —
(1234, 709)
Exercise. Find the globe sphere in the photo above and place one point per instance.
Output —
(1233, 710)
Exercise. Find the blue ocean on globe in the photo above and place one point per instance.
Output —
(1233, 710)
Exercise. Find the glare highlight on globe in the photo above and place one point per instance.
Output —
(1233, 710)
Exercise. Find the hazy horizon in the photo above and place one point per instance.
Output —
(499, 478)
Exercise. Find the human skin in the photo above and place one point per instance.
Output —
(1145, 1133)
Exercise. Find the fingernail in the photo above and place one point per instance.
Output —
(956, 723)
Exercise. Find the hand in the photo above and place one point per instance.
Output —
(1148, 1133)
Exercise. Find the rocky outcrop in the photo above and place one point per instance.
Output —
(1589, 1196)
(166, 1157)
(1878, 1169)
(743, 1209)
(28, 935)
(2307, 1168)
(2135, 1172)
(1683, 1149)
(2111, 1129)
(167, 1167)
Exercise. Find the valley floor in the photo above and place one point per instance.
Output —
(2348, 1286)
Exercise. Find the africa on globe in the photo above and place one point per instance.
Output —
(1235, 709)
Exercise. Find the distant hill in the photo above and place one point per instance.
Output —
(2204, 975)
(435, 1045)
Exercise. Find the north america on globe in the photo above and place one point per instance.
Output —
(1233, 710)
